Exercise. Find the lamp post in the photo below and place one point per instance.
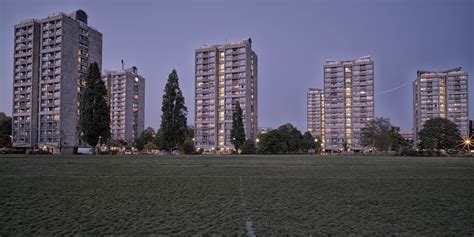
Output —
(236, 151)
(316, 145)
(98, 144)
(257, 141)
(467, 144)
(11, 140)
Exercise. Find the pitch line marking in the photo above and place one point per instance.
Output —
(243, 203)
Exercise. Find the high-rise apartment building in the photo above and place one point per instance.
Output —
(126, 97)
(224, 74)
(441, 94)
(348, 102)
(48, 85)
(25, 83)
(315, 112)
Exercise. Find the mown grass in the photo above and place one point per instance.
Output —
(265, 195)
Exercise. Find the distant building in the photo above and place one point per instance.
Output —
(348, 102)
(264, 130)
(315, 112)
(126, 94)
(407, 135)
(51, 58)
(441, 94)
(225, 74)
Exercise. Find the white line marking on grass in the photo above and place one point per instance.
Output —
(243, 203)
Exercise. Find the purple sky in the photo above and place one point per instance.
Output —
(292, 40)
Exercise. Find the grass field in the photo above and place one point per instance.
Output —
(245, 195)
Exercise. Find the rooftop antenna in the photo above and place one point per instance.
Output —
(123, 66)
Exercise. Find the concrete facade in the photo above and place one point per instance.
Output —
(126, 97)
(224, 74)
(348, 102)
(442, 94)
(25, 83)
(315, 112)
(66, 46)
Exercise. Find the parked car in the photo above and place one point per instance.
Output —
(176, 151)
(39, 152)
(85, 151)
(11, 150)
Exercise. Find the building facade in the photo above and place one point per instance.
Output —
(407, 135)
(58, 50)
(25, 83)
(348, 102)
(441, 94)
(126, 98)
(315, 112)
(224, 74)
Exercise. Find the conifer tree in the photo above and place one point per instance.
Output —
(173, 127)
(95, 112)
(237, 133)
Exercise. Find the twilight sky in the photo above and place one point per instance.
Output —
(292, 39)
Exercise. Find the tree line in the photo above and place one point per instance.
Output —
(173, 133)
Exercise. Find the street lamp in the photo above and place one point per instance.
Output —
(257, 141)
(467, 143)
(98, 144)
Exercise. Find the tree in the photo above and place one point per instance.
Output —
(307, 142)
(190, 133)
(5, 131)
(150, 146)
(285, 139)
(439, 133)
(94, 110)
(378, 133)
(318, 144)
(158, 139)
(290, 137)
(398, 141)
(188, 147)
(237, 132)
(146, 137)
(150, 130)
(248, 147)
(270, 143)
(345, 145)
(174, 115)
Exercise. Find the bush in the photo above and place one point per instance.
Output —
(188, 147)
(11, 151)
(248, 147)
